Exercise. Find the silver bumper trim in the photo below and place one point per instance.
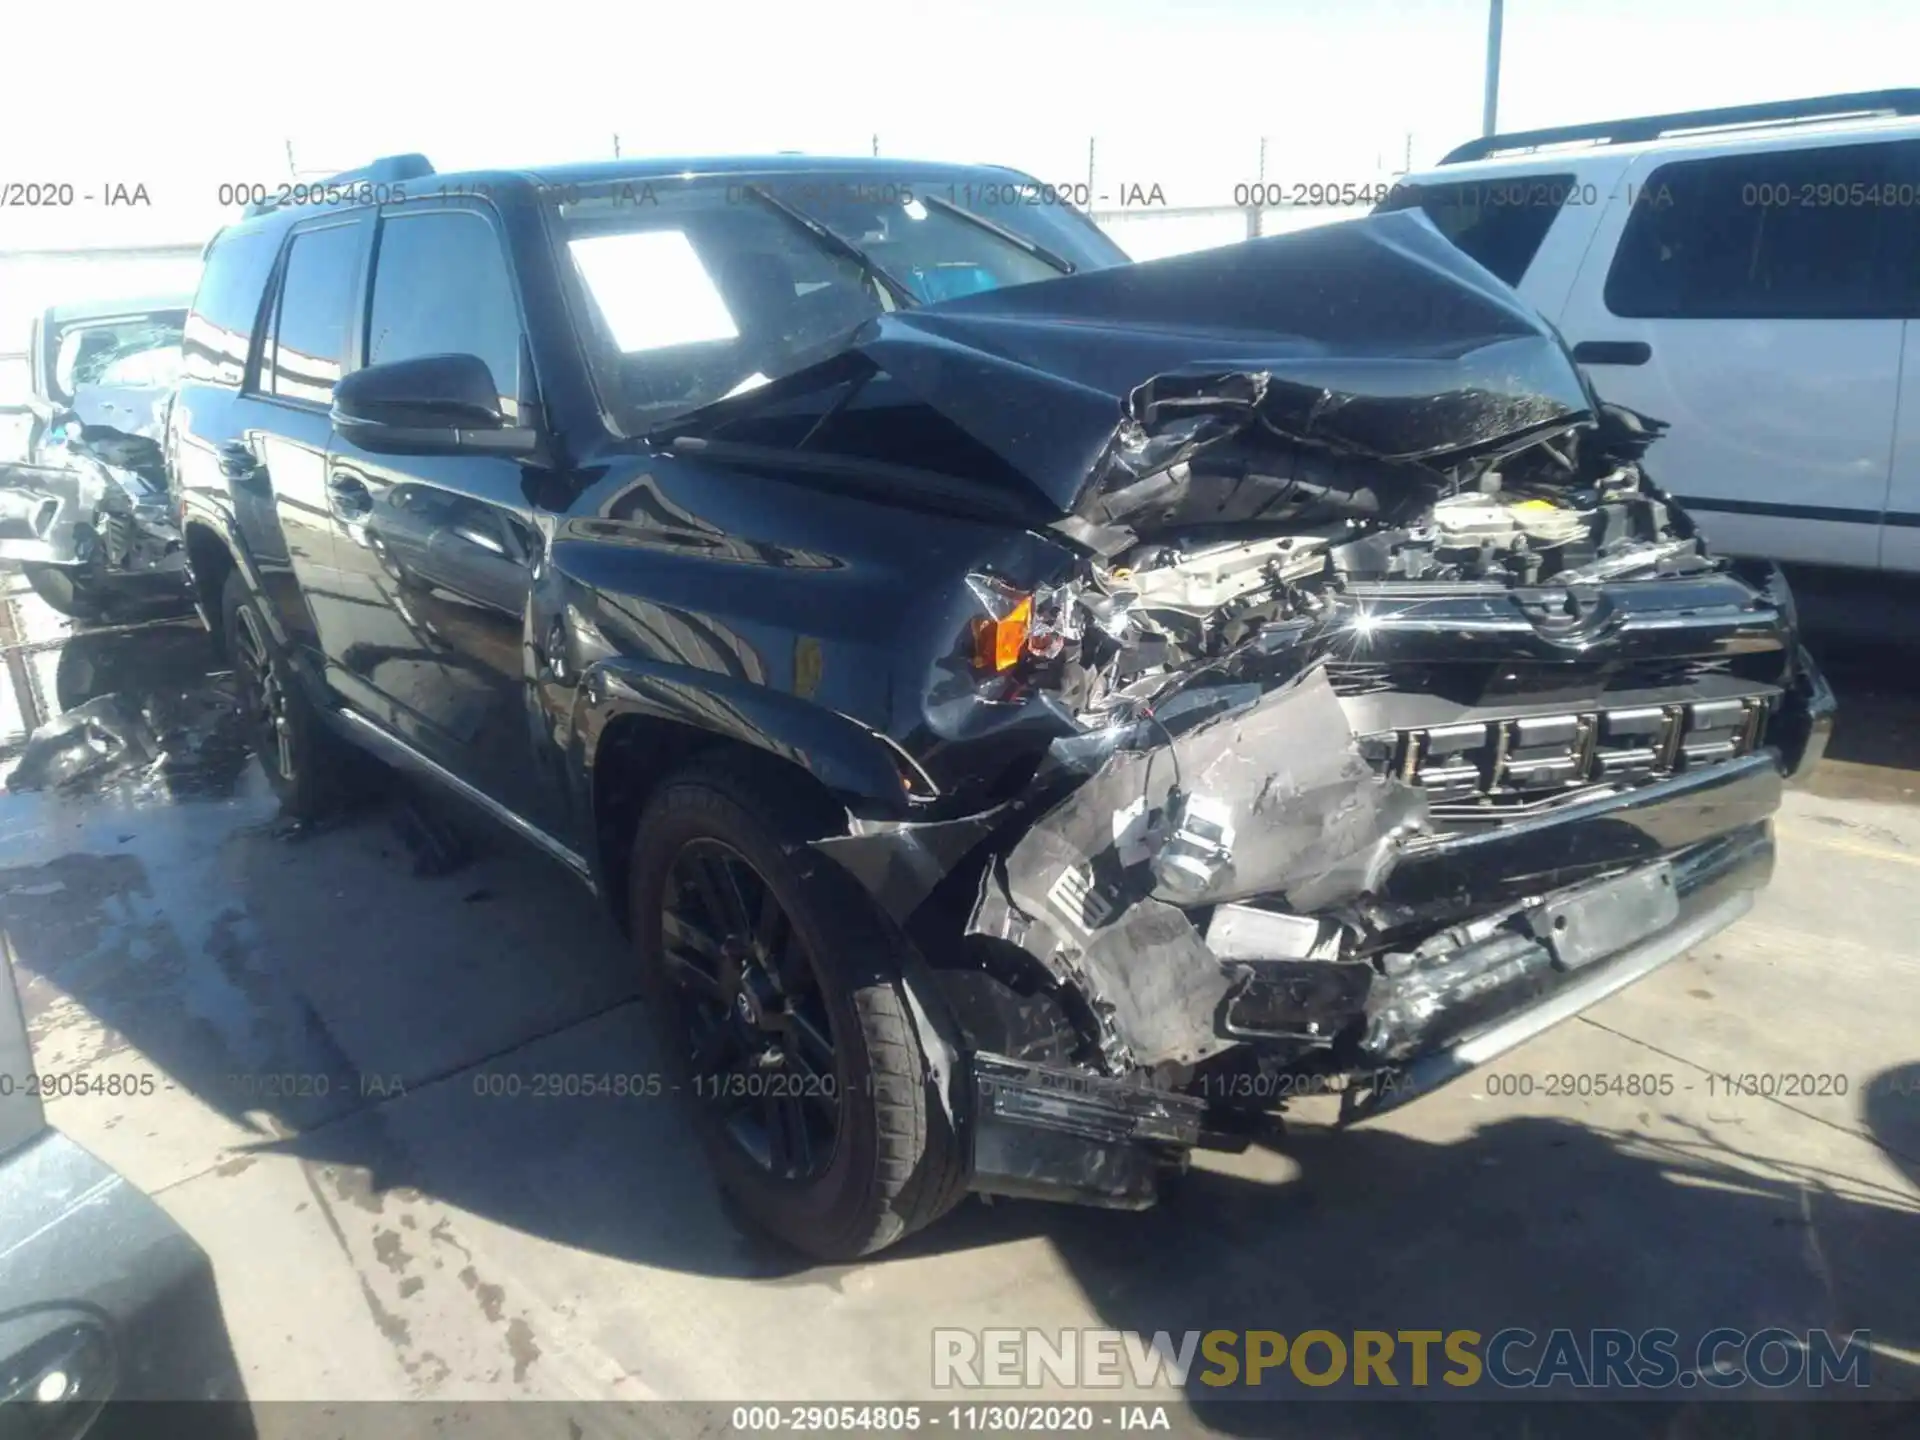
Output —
(1394, 1088)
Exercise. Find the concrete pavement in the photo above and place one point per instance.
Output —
(358, 1106)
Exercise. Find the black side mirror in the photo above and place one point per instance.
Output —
(429, 405)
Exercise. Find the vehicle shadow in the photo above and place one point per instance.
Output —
(1530, 1222)
(1537, 1223)
(1862, 629)
(1892, 1112)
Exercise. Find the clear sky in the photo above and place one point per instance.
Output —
(181, 97)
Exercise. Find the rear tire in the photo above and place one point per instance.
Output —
(894, 1164)
(306, 764)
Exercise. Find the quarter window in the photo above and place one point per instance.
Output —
(220, 327)
(316, 304)
(1790, 234)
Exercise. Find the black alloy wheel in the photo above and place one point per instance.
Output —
(761, 1044)
(778, 992)
(263, 697)
(309, 769)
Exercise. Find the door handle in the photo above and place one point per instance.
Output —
(480, 537)
(1613, 352)
(348, 496)
(238, 463)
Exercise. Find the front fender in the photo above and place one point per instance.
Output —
(859, 767)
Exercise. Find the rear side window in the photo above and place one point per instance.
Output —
(219, 330)
(1791, 234)
(441, 287)
(317, 293)
(1499, 222)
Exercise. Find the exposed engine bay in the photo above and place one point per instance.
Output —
(1235, 550)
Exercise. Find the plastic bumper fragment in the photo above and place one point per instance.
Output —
(1050, 1133)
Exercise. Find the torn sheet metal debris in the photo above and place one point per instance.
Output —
(1300, 1000)
(900, 862)
(1053, 1133)
(184, 741)
(1270, 801)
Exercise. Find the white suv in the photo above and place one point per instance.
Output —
(1752, 277)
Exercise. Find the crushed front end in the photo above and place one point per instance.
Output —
(1390, 828)
(1378, 710)
(97, 502)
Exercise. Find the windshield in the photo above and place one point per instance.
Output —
(139, 351)
(687, 291)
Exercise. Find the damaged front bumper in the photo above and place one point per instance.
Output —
(1484, 936)
(38, 508)
(1051, 1132)
(1703, 848)
(1521, 985)
(86, 515)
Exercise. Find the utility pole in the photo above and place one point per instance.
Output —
(1492, 108)
(1255, 215)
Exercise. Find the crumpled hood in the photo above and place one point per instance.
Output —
(1374, 337)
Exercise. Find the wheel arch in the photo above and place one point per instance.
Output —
(212, 555)
(635, 724)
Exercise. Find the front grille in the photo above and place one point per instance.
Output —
(1487, 769)
(1580, 685)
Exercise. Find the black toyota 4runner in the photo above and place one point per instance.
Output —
(1029, 710)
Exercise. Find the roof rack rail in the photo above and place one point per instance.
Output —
(1857, 105)
(387, 170)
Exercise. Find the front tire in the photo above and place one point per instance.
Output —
(775, 979)
(305, 763)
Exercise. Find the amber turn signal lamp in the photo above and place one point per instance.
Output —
(998, 644)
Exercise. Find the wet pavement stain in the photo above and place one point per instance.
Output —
(354, 1185)
(491, 1297)
(158, 904)
(521, 1347)
(390, 1252)
(442, 1234)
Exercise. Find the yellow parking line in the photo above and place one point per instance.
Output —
(1801, 835)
